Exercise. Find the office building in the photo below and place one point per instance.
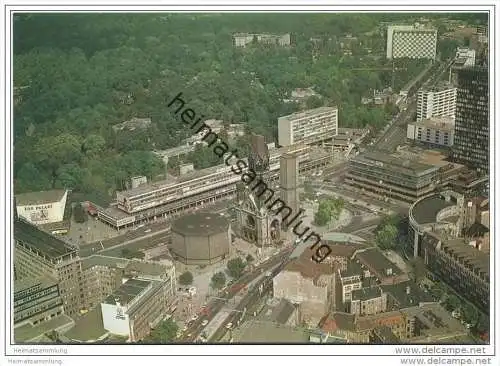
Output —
(438, 101)
(135, 308)
(436, 131)
(308, 127)
(465, 57)
(407, 41)
(103, 275)
(391, 175)
(36, 300)
(471, 140)
(39, 254)
(176, 195)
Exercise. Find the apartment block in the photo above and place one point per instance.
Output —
(461, 265)
(39, 254)
(411, 41)
(245, 39)
(439, 101)
(471, 141)
(308, 127)
(349, 282)
(368, 301)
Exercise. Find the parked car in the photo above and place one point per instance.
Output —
(229, 325)
(205, 322)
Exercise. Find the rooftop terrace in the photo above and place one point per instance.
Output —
(127, 292)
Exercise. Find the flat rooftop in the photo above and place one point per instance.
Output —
(412, 27)
(307, 267)
(200, 224)
(435, 320)
(308, 113)
(407, 294)
(28, 282)
(255, 331)
(375, 259)
(39, 198)
(366, 293)
(146, 268)
(395, 162)
(282, 312)
(29, 333)
(41, 241)
(104, 261)
(127, 292)
(88, 328)
(146, 188)
(425, 211)
(115, 213)
(437, 123)
(439, 87)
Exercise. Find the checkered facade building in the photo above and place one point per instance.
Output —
(411, 42)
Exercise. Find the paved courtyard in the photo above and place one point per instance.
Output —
(90, 231)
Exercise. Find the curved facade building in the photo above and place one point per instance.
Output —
(200, 239)
(442, 211)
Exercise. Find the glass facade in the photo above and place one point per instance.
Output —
(471, 141)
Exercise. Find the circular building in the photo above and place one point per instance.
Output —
(201, 238)
(441, 211)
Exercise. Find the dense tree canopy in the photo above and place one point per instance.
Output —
(386, 237)
(165, 332)
(186, 278)
(328, 209)
(104, 69)
(218, 280)
(235, 267)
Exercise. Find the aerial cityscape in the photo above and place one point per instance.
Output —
(249, 178)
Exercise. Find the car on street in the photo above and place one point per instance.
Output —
(229, 325)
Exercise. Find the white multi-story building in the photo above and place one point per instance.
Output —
(436, 131)
(411, 41)
(244, 39)
(42, 207)
(147, 292)
(465, 57)
(439, 101)
(308, 127)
